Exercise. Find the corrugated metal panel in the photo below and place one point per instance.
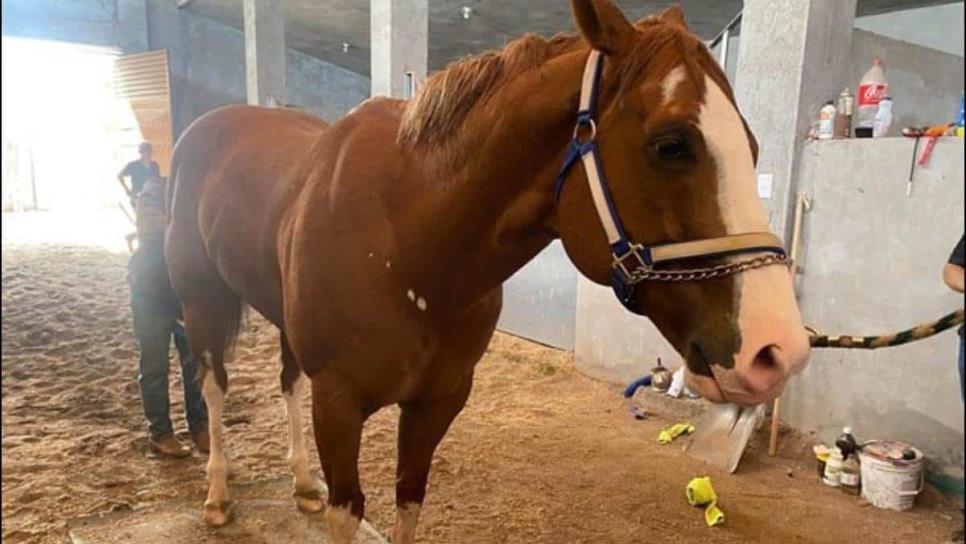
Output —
(540, 300)
(143, 79)
(142, 75)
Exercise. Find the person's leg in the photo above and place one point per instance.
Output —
(154, 337)
(962, 370)
(195, 411)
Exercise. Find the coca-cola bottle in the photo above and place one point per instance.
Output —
(872, 89)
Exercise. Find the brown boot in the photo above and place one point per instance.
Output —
(201, 440)
(168, 446)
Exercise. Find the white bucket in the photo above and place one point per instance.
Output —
(888, 482)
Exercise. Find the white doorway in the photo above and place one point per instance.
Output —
(65, 138)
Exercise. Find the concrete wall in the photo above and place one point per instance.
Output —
(872, 260)
(936, 27)
(540, 300)
(925, 84)
(208, 68)
(613, 344)
(207, 58)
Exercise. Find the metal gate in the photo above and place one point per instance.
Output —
(540, 300)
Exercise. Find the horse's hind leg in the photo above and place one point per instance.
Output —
(210, 323)
(307, 495)
(422, 425)
(337, 418)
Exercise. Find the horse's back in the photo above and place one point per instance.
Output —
(235, 172)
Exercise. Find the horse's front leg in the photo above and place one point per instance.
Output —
(337, 419)
(422, 424)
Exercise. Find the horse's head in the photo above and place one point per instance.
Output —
(678, 162)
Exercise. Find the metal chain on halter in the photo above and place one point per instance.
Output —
(698, 274)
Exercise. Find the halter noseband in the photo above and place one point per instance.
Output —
(633, 262)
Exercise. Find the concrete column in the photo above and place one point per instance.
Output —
(794, 55)
(265, 51)
(132, 26)
(398, 34)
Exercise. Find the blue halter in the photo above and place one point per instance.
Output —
(632, 262)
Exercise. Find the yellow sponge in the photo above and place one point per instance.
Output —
(674, 431)
(701, 493)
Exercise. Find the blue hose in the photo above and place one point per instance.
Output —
(632, 388)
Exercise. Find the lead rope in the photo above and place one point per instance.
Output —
(919, 332)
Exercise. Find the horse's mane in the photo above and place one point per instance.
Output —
(447, 98)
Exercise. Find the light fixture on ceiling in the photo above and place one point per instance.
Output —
(466, 11)
(345, 47)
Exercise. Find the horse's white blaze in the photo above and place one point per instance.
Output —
(727, 142)
(768, 313)
(407, 516)
(217, 460)
(298, 458)
(341, 523)
(671, 81)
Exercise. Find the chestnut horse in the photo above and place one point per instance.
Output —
(378, 245)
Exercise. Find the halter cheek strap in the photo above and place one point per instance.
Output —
(633, 262)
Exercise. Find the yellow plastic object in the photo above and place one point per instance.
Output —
(701, 493)
(666, 436)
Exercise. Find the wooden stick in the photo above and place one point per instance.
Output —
(801, 204)
(126, 214)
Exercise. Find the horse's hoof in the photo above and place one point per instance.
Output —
(309, 502)
(216, 515)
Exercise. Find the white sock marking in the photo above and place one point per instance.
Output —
(407, 517)
(298, 458)
(342, 524)
(217, 460)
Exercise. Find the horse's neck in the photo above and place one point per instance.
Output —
(500, 211)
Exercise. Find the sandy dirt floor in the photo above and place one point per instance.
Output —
(540, 455)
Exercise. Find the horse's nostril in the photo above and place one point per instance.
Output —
(766, 358)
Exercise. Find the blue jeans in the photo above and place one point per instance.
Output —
(154, 325)
(962, 367)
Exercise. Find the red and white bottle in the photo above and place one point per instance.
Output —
(872, 89)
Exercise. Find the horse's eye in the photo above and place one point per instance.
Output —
(670, 149)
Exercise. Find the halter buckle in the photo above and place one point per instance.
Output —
(585, 122)
(639, 253)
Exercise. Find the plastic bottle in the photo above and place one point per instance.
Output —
(850, 477)
(843, 117)
(872, 89)
(959, 123)
(826, 121)
(833, 469)
(846, 443)
(883, 118)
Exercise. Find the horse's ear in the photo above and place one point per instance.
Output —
(675, 16)
(602, 24)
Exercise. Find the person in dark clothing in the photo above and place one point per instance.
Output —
(140, 171)
(156, 311)
(953, 276)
